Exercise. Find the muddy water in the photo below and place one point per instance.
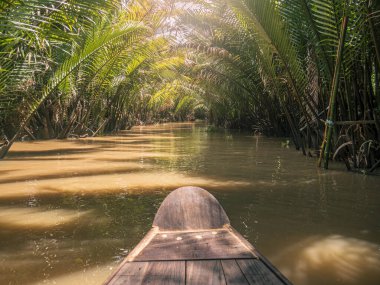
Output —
(71, 210)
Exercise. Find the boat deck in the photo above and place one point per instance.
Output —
(183, 249)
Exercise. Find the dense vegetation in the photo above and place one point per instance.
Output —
(304, 68)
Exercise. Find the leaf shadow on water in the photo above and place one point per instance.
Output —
(64, 233)
(104, 201)
(15, 154)
(70, 174)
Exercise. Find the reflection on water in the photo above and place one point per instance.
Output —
(71, 210)
(332, 259)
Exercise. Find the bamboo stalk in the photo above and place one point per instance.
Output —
(361, 122)
(326, 144)
(373, 35)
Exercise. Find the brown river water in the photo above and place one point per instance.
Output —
(71, 210)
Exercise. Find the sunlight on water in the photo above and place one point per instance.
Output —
(37, 218)
(84, 277)
(50, 261)
(108, 183)
(71, 210)
(332, 259)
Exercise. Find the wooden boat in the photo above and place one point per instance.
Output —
(192, 242)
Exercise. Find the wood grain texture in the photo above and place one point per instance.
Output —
(193, 243)
(272, 268)
(130, 273)
(165, 273)
(216, 244)
(189, 208)
(157, 273)
(142, 244)
(232, 273)
(203, 272)
(257, 272)
(246, 243)
(134, 268)
(126, 280)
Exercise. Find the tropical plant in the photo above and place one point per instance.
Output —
(291, 47)
(74, 68)
(85, 71)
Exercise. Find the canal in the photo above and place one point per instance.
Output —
(71, 210)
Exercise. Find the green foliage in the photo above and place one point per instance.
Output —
(270, 63)
(79, 66)
(83, 67)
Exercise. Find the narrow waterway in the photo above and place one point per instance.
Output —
(71, 210)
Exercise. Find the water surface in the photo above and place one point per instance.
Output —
(71, 210)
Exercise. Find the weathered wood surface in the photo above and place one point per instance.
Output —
(192, 242)
(233, 273)
(190, 208)
(256, 272)
(205, 272)
(214, 244)
(164, 272)
(197, 272)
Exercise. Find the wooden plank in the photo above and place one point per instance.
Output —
(192, 242)
(129, 273)
(218, 244)
(272, 268)
(203, 272)
(232, 273)
(189, 208)
(125, 280)
(142, 244)
(246, 243)
(134, 268)
(256, 272)
(163, 272)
